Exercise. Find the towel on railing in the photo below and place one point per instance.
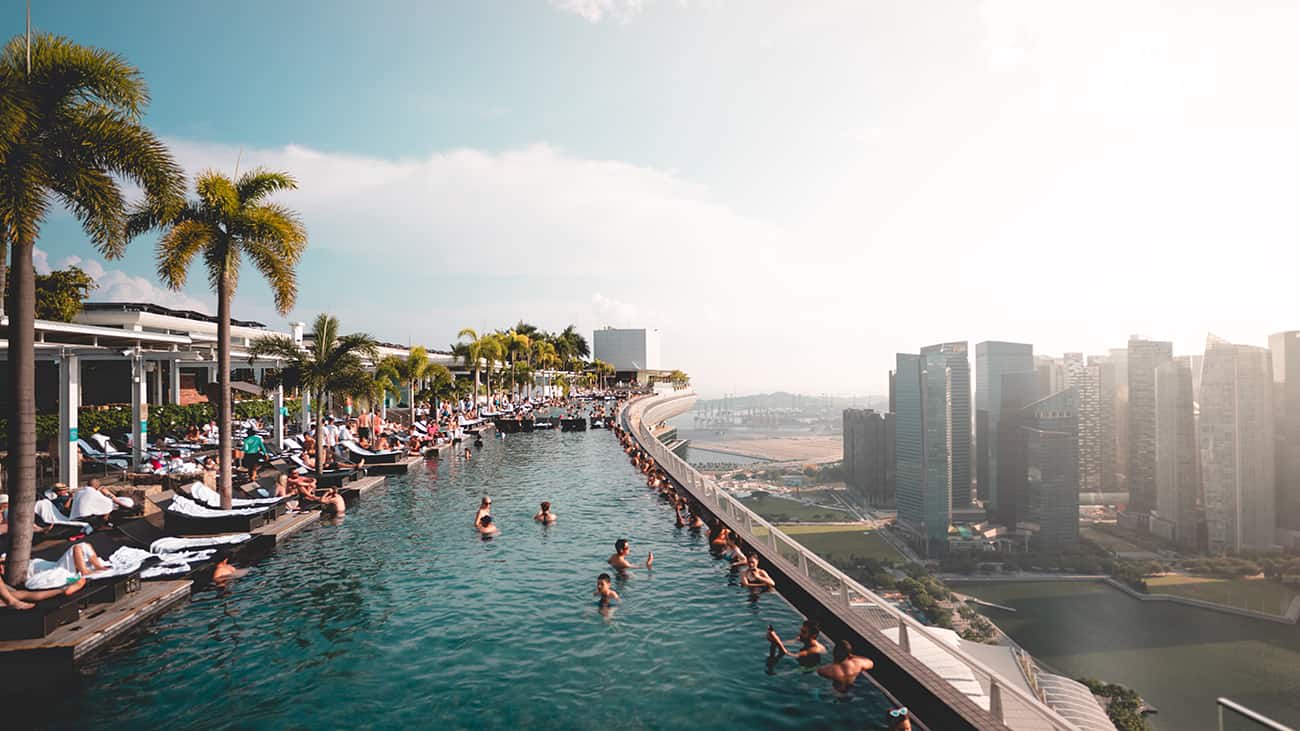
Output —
(185, 506)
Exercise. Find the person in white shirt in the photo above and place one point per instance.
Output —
(344, 433)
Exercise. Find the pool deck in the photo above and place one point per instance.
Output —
(400, 467)
(98, 625)
(63, 649)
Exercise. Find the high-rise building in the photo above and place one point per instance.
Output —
(1017, 392)
(869, 456)
(1118, 358)
(993, 360)
(1051, 374)
(1237, 447)
(1178, 493)
(949, 366)
(1086, 382)
(1285, 349)
(1144, 356)
(1104, 372)
(931, 439)
(1051, 495)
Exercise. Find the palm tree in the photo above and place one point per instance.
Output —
(230, 220)
(515, 343)
(575, 345)
(545, 357)
(493, 350)
(409, 371)
(332, 365)
(70, 133)
(471, 354)
(602, 369)
(679, 379)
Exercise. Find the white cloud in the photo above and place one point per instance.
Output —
(596, 10)
(115, 285)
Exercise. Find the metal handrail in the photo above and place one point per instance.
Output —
(1249, 715)
(655, 408)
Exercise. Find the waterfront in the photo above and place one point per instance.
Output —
(401, 617)
(1178, 658)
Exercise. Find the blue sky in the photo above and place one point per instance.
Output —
(791, 192)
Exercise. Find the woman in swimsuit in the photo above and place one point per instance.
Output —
(484, 508)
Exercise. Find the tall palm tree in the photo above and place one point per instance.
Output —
(576, 344)
(70, 131)
(332, 365)
(545, 357)
(230, 220)
(493, 351)
(515, 344)
(471, 354)
(409, 370)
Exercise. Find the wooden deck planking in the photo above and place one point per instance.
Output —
(98, 625)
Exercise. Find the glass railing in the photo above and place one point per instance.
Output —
(1236, 717)
(1007, 702)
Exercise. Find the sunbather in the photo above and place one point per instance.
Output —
(23, 598)
(329, 501)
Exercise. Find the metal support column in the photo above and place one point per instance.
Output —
(69, 402)
(277, 420)
(155, 382)
(174, 385)
(139, 412)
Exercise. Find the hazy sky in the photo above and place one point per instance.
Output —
(790, 191)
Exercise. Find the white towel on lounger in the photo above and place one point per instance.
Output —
(185, 506)
(173, 544)
(50, 514)
(207, 496)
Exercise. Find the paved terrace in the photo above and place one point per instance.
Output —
(945, 687)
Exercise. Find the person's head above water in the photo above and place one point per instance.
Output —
(486, 502)
(603, 580)
(842, 650)
(546, 506)
(621, 546)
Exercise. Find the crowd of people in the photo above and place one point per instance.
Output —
(844, 668)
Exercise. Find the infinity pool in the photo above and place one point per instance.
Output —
(400, 617)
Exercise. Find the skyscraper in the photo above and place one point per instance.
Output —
(1237, 449)
(993, 360)
(1285, 349)
(949, 367)
(1104, 371)
(1052, 470)
(922, 490)
(1178, 493)
(1144, 356)
(1018, 391)
(869, 456)
(1086, 382)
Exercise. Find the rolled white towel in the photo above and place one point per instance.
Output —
(173, 544)
(185, 506)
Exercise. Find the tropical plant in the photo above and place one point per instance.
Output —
(679, 379)
(408, 372)
(472, 351)
(545, 356)
(230, 220)
(60, 293)
(331, 365)
(71, 133)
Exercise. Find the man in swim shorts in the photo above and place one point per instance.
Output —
(619, 560)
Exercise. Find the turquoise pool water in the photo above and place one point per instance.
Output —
(400, 617)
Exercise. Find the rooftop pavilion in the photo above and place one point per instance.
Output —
(144, 354)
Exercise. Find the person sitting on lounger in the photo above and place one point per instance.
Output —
(329, 501)
(621, 550)
(24, 598)
(96, 502)
(545, 515)
(846, 668)
(486, 527)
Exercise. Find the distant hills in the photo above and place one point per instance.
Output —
(787, 400)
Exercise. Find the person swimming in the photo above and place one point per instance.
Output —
(843, 672)
(486, 528)
(468, 455)
(224, 571)
(545, 515)
(809, 655)
(604, 593)
(621, 550)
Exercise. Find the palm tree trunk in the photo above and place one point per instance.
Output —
(317, 404)
(411, 385)
(22, 422)
(476, 387)
(225, 443)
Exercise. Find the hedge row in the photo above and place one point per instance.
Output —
(171, 419)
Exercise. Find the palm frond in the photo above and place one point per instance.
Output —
(221, 260)
(64, 69)
(218, 193)
(177, 248)
(258, 183)
(278, 271)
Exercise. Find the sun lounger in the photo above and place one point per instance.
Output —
(118, 460)
(359, 453)
(574, 424)
(328, 478)
(183, 516)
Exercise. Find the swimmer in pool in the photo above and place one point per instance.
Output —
(846, 668)
(619, 560)
(605, 593)
(545, 516)
(899, 719)
(810, 654)
(484, 508)
(486, 527)
(224, 571)
(755, 577)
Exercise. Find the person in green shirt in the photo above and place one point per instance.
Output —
(254, 454)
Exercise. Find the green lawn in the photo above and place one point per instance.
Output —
(779, 510)
(841, 541)
(1258, 594)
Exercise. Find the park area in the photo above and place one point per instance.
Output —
(839, 542)
(1260, 595)
(783, 510)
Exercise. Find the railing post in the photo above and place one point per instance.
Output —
(803, 563)
(844, 593)
(995, 699)
(904, 642)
